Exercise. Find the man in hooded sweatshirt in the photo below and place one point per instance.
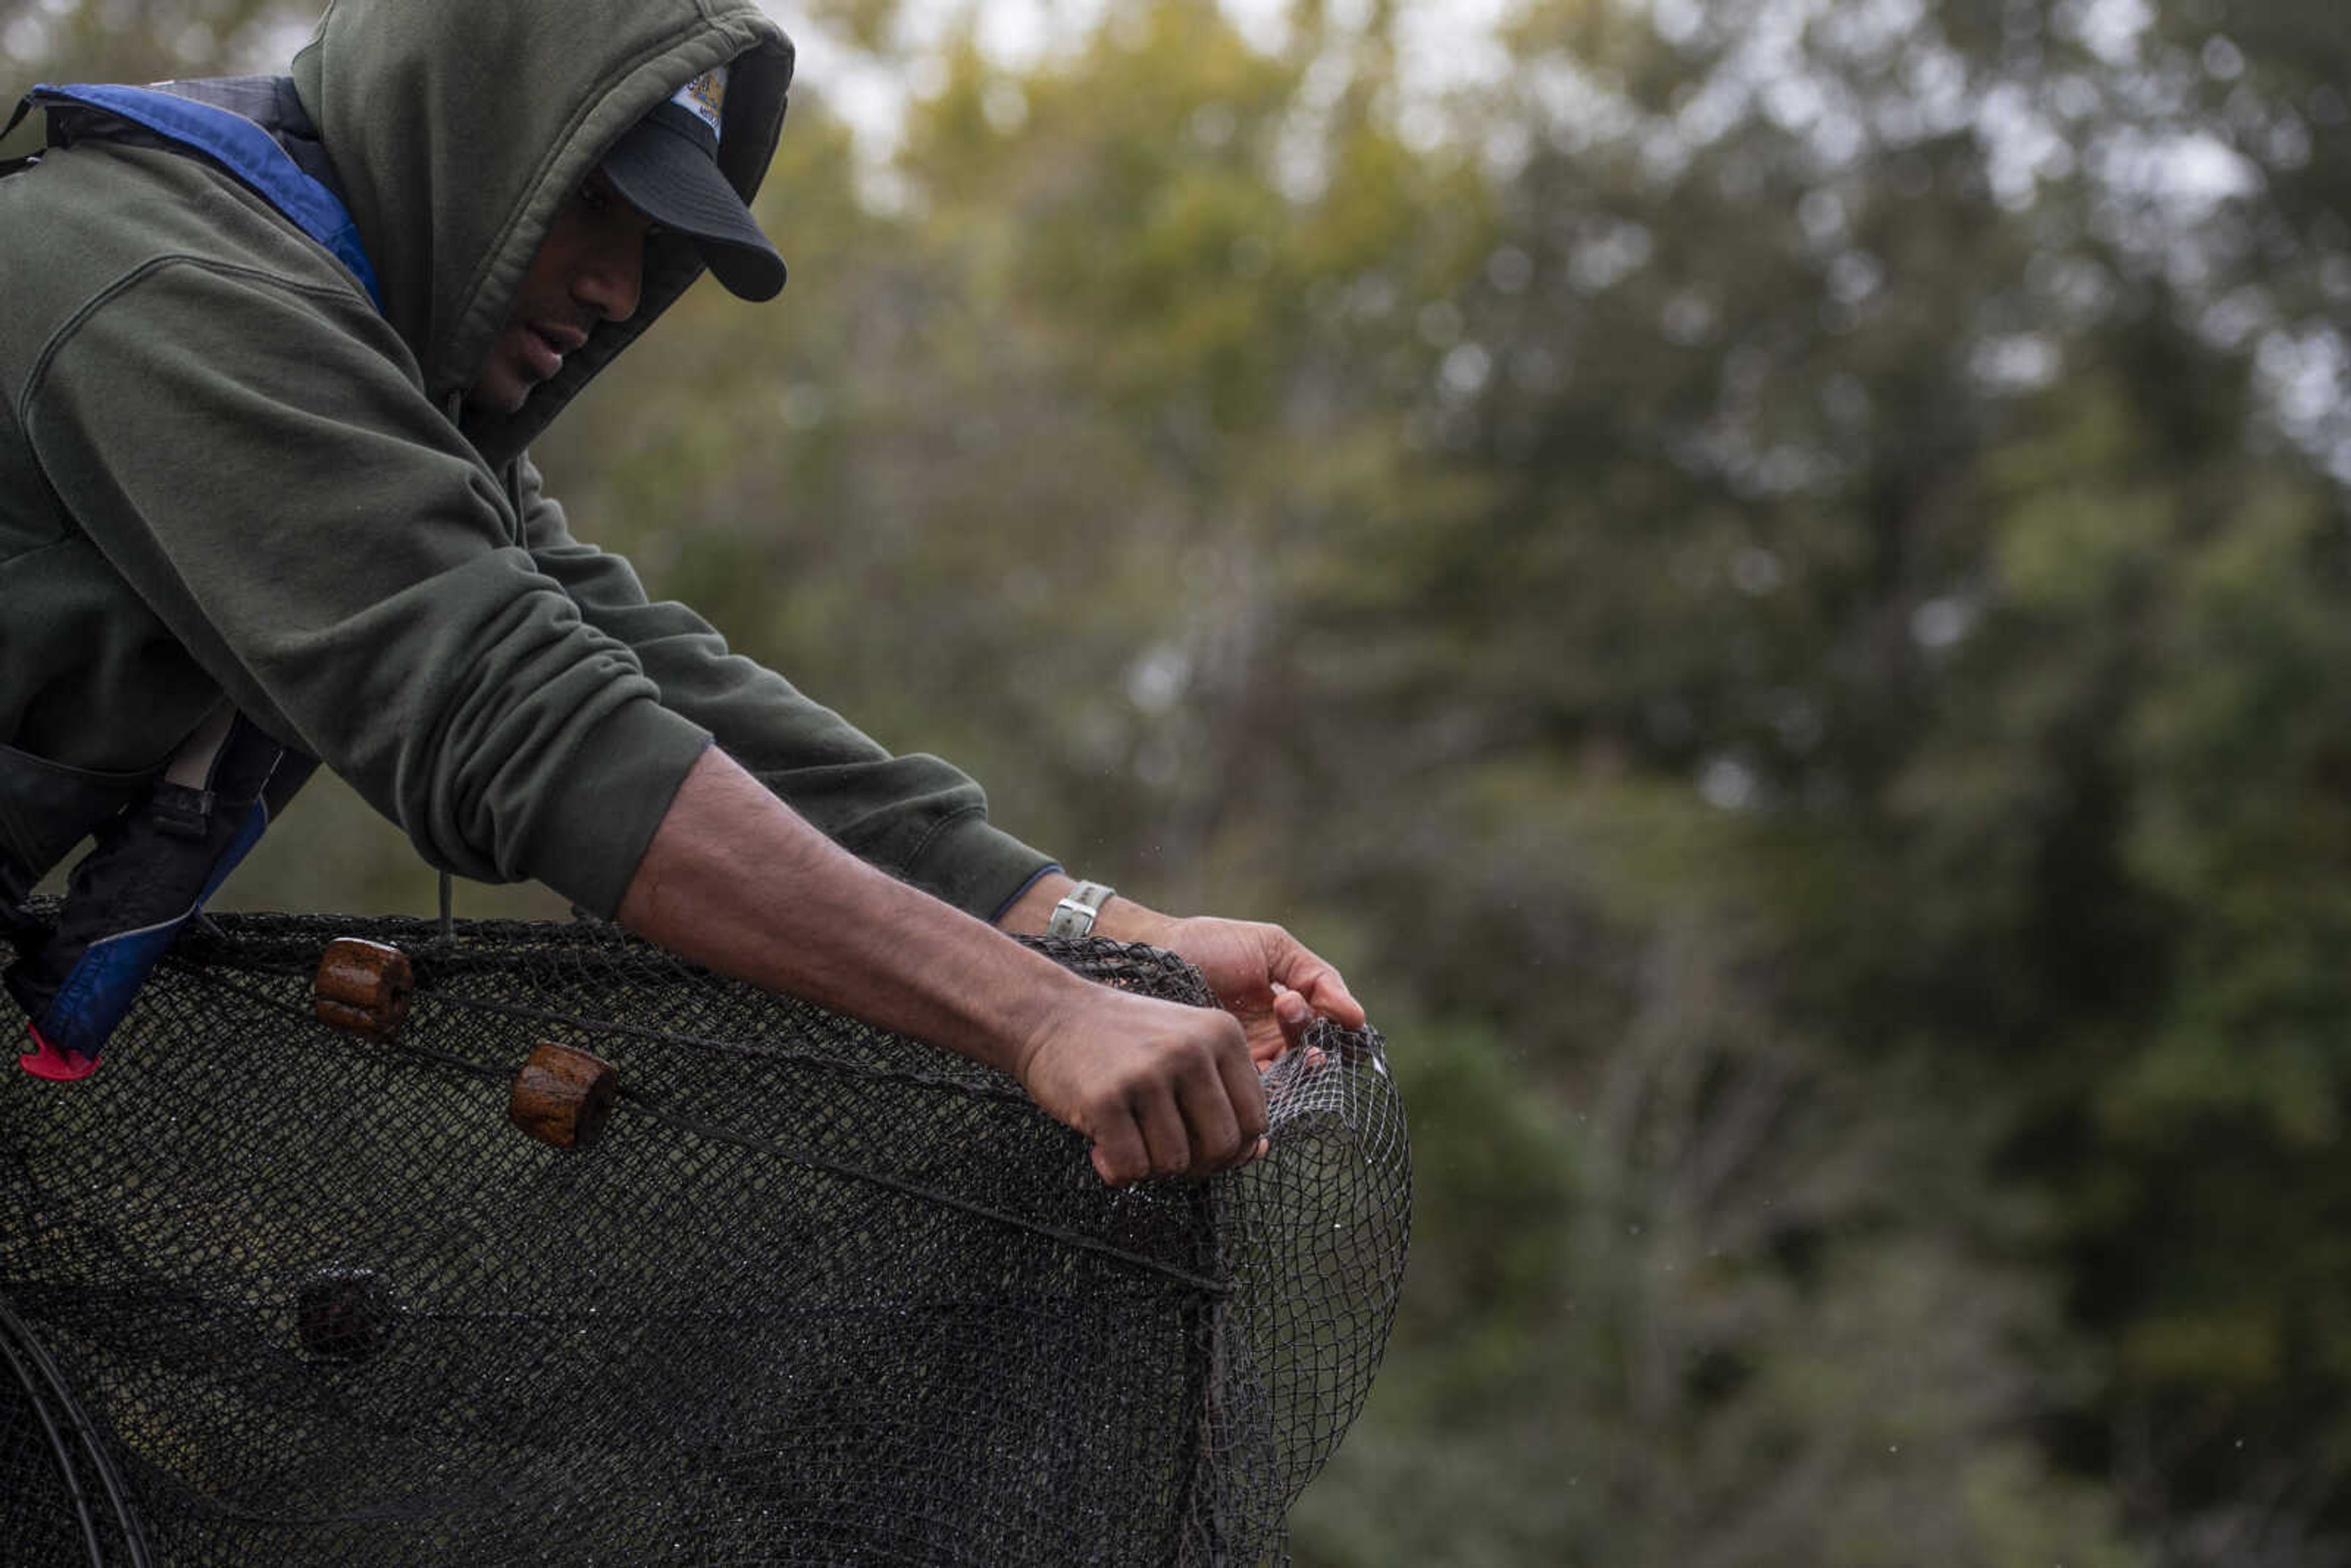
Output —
(271, 353)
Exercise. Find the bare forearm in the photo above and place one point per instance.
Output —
(736, 880)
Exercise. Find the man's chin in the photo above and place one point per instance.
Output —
(496, 395)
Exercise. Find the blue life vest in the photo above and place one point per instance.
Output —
(164, 844)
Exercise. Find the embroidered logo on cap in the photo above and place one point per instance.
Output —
(704, 97)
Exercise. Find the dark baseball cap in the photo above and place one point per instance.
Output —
(666, 167)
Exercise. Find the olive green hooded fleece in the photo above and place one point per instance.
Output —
(224, 476)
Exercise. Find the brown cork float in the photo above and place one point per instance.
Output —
(563, 1096)
(364, 986)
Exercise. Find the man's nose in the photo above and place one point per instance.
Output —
(613, 280)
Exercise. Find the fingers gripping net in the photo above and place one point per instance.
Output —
(275, 1292)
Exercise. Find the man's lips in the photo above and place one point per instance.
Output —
(544, 347)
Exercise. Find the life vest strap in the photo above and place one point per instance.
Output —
(154, 867)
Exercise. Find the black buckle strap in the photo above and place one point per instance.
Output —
(182, 812)
(15, 893)
(18, 166)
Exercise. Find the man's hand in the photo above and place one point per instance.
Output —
(1264, 976)
(1161, 1089)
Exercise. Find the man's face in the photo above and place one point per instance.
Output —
(590, 270)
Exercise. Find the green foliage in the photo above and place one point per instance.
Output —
(143, 40)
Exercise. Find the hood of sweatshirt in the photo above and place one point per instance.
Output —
(460, 127)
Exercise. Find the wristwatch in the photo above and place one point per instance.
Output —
(1074, 916)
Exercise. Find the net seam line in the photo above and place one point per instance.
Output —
(266, 963)
(427, 954)
(16, 1336)
(662, 1036)
(729, 1047)
(57, 1452)
(687, 1123)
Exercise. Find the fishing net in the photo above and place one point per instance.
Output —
(276, 1293)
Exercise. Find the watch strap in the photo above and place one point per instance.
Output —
(1074, 916)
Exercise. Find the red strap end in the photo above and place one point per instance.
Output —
(47, 1061)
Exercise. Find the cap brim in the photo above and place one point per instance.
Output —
(662, 172)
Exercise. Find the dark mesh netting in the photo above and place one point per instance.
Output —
(275, 1293)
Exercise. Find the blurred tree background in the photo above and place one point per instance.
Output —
(1770, 576)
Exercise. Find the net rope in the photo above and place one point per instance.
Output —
(275, 1292)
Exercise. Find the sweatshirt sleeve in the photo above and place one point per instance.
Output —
(914, 816)
(254, 456)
